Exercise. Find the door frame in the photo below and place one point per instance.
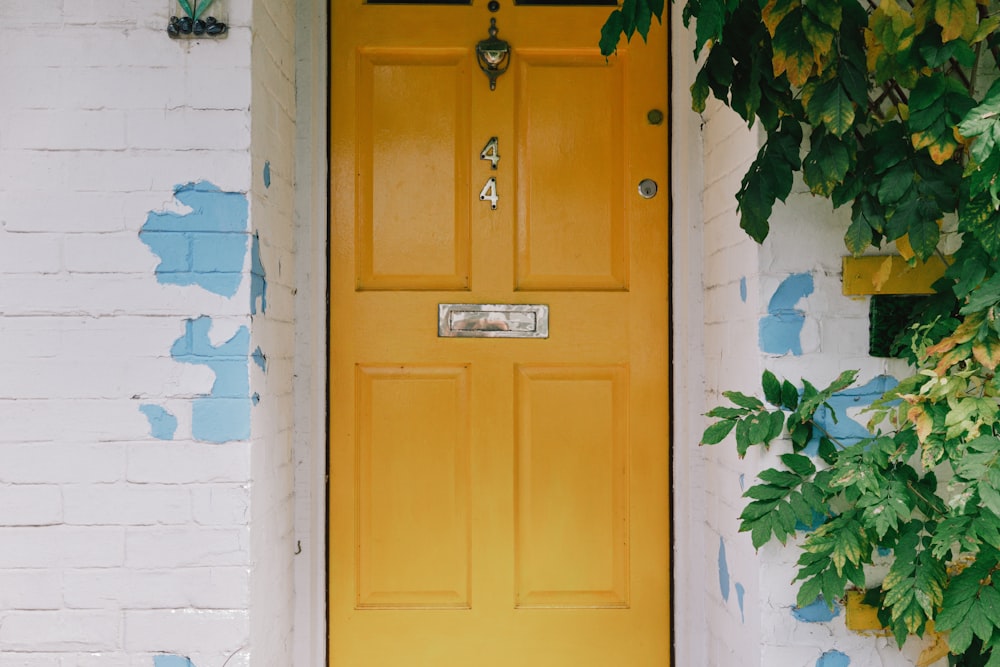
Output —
(687, 524)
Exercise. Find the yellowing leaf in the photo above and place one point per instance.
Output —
(904, 247)
(880, 277)
(921, 421)
(953, 16)
(987, 353)
(793, 53)
(775, 11)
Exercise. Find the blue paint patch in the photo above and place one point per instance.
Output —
(882, 551)
(780, 332)
(258, 278)
(204, 247)
(817, 521)
(739, 601)
(845, 429)
(743, 479)
(255, 399)
(224, 414)
(816, 612)
(259, 359)
(162, 424)
(172, 661)
(743, 289)
(833, 659)
(723, 570)
(267, 173)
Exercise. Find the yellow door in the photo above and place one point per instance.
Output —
(497, 501)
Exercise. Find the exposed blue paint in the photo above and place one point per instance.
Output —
(833, 659)
(817, 521)
(267, 173)
(882, 551)
(816, 611)
(743, 479)
(845, 429)
(162, 424)
(743, 289)
(723, 570)
(172, 661)
(259, 359)
(255, 399)
(224, 414)
(780, 332)
(204, 247)
(739, 601)
(258, 278)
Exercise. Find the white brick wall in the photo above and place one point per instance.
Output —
(116, 546)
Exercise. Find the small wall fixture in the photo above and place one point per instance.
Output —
(194, 22)
(493, 55)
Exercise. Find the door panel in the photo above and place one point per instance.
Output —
(496, 501)
(571, 217)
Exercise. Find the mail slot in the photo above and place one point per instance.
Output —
(493, 320)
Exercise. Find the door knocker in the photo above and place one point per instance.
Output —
(493, 55)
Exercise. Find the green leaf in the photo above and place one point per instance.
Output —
(799, 464)
(715, 433)
(611, 31)
(924, 235)
(832, 106)
(709, 26)
(826, 165)
(743, 400)
(203, 6)
(772, 388)
(777, 421)
(780, 478)
(858, 236)
(789, 395)
(722, 412)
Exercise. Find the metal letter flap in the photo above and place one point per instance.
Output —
(493, 320)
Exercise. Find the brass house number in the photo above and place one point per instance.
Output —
(490, 152)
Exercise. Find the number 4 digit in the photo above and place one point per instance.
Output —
(491, 152)
(489, 193)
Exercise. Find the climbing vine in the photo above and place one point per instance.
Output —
(890, 108)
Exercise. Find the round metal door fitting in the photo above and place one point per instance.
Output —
(647, 188)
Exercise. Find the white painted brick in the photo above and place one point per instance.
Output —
(62, 462)
(30, 253)
(33, 659)
(31, 589)
(126, 504)
(176, 587)
(186, 129)
(181, 630)
(60, 630)
(217, 505)
(65, 130)
(187, 546)
(185, 463)
(107, 253)
(48, 547)
(30, 505)
(57, 210)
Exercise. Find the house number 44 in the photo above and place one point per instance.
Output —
(490, 152)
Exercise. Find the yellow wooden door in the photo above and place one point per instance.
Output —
(497, 501)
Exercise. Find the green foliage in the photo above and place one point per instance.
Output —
(898, 131)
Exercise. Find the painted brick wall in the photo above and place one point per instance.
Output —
(778, 306)
(273, 293)
(126, 454)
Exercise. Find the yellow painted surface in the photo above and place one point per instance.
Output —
(890, 274)
(497, 502)
(863, 618)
